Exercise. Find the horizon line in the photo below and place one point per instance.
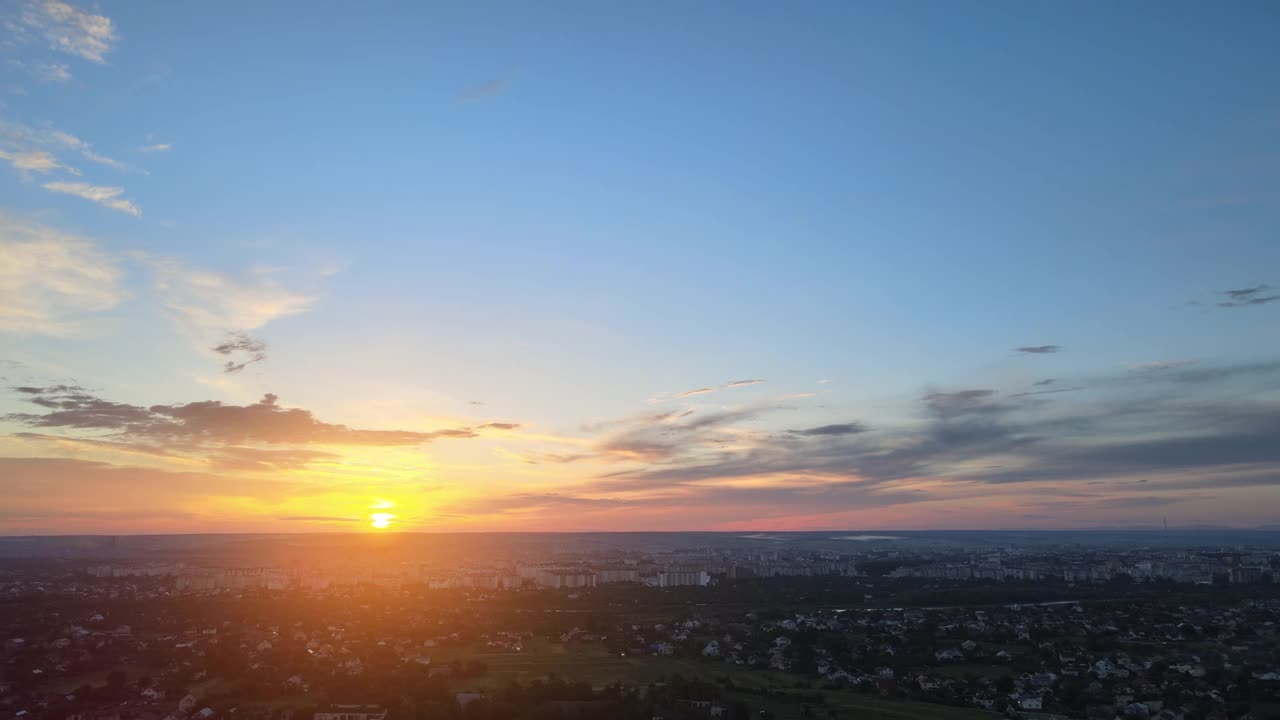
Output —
(366, 533)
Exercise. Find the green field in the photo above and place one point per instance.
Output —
(591, 663)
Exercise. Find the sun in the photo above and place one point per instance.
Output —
(381, 520)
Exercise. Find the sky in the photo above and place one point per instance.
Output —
(473, 266)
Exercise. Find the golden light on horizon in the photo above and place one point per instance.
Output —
(381, 520)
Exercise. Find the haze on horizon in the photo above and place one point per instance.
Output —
(297, 267)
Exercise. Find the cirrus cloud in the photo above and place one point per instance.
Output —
(50, 279)
(104, 195)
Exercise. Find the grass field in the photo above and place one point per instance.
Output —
(593, 664)
(590, 663)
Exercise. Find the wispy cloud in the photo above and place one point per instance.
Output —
(104, 160)
(1158, 365)
(244, 348)
(67, 140)
(266, 460)
(53, 72)
(529, 502)
(219, 312)
(671, 436)
(49, 279)
(38, 161)
(211, 304)
(717, 388)
(104, 195)
(68, 29)
(1244, 297)
(19, 138)
(1160, 425)
(1042, 383)
(851, 428)
(1055, 391)
(41, 72)
(1040, 349)
(479, 92)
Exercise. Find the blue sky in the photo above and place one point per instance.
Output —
(573, 212)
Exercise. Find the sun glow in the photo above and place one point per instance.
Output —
(381, 520)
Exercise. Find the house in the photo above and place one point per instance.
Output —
(1031, 702)
(152, 694)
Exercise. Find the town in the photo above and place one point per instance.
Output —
(789, 629)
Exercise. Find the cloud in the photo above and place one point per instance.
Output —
(67, 140)
(49, 279)
(537, 458)
(103, 160)
(211, 304)
(726, 386)
(655, 438)
(106, 196)
(1042, 383)
(157, 147)
(852, 428)
(1145, 501)
(489, 89)
(972, 438)
(1160, 365)
(1040, 349)
(38, 161)
(68, 29)
(321, 518)
(42, 72)
(19, 138)
(209, 423)
(244, 458)
(1054, 391)
(248, 349)
(53, 72)
(963, 402)
(499, 426)
(528, 502)
(1244, 297)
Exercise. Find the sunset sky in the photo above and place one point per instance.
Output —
(316, 266)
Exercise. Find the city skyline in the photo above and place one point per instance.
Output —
(458, 267)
